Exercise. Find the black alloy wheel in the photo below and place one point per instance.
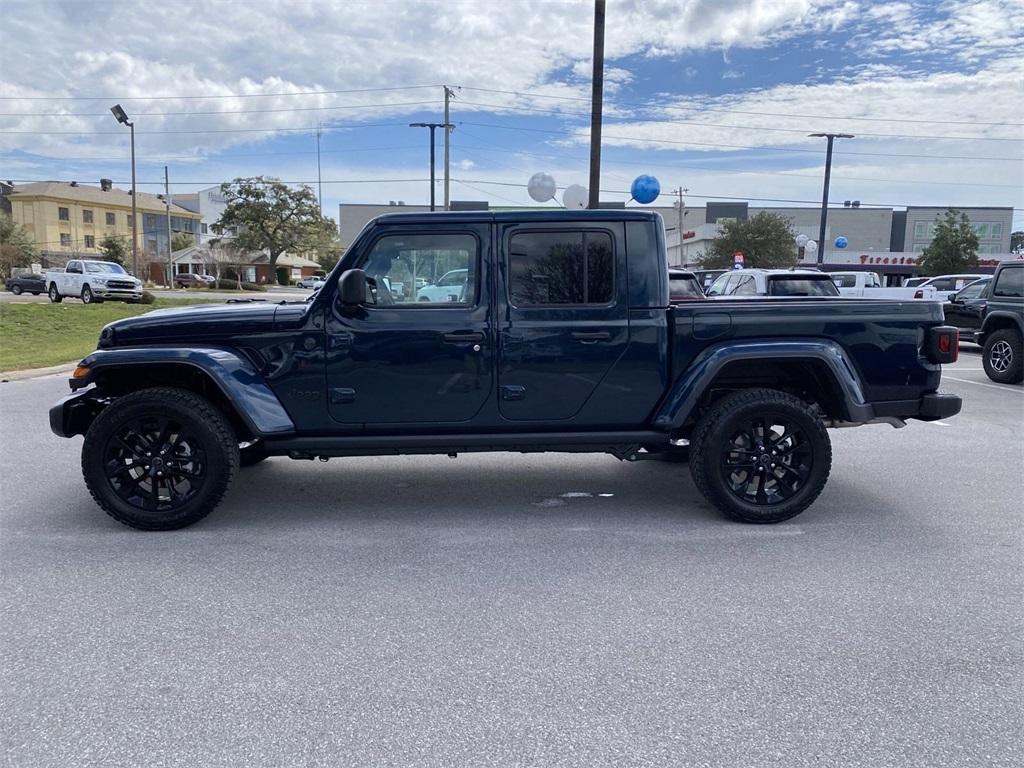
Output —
(159, 459)
(760, 455)
(1003, 356)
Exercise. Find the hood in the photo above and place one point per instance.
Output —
(192, 323)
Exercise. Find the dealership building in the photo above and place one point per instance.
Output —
(888, 241)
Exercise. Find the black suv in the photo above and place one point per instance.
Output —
(1002, 330)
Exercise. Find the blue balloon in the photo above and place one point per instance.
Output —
(842, 242)
(645, 189)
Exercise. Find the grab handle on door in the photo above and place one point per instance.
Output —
(590, 337)
(466, 337)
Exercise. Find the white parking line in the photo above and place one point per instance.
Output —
(939, 423)
(984, 384)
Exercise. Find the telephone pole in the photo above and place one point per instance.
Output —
(824, 195)
(448, 94)
(319, 180)
(681, 211)
(596, 102)
(170, 253)
(432, 127)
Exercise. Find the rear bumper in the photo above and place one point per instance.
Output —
(938, 406)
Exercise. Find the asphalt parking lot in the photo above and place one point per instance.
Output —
(512, 610)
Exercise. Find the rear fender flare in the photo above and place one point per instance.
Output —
(685, 394)
(235, 376)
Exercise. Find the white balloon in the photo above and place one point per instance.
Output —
(801, 240)
(811, 245)
(542, 187)
(575, 196)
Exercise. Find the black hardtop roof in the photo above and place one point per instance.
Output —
(532, 216)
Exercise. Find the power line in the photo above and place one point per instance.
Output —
(742, 146)
(207, 130)
(210, 183)
(217, 96)
(220, 111)
(160, 160)
(943, 121)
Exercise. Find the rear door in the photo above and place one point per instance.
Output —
(563, 316)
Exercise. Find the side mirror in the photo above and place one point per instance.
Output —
(352, 287)
(953, 299)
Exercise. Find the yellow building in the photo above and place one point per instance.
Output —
(69, 219)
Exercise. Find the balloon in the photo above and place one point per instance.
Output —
(645, 189)
(811, 245)
(575, 196)
(801, 240)
(842, 242)
(542, 187)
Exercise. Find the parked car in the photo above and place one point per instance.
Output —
(1002, 330)
(450, 287)
(965, 309)
(193, 280)
(945, 285)
(310, 282)
(869, 284)
(708, 276)
(32, 282)
(683, 286)
(92, 281)
(773, 282)
(546, 354)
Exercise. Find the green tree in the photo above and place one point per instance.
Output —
(114, 249)
(954, 248)
(765, 240)
(322, 243)
(17, 248)
(270, 215)
(1017, 242)
(182, 240)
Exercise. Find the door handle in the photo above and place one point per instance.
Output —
(590, 337)
(462, 337)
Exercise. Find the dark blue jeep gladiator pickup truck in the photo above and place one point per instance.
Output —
(535, 331)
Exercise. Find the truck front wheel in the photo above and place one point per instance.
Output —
(1003, 356)
(760, 455)
(55, 296)
(159, 459)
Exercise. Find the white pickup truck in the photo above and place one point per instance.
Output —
(92, 281)
(868, 284)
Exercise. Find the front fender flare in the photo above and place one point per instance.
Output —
(235, 376)
(681, 400)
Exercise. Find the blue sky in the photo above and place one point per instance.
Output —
(716, 97)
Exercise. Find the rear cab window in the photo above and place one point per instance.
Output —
(684, 287)
(1010, 283)
(801, 285)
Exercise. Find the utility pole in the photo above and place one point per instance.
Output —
(170, 257)
(432, 127)
(319, 180)
(448, 94)
(596, 104)
(681, 211)
(824, 195)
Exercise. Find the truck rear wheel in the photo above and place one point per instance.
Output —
(760, 455)
(55, 297)
(1003, 356)
(159, 459)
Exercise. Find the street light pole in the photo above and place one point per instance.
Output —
(432, 127)
(596, 105)
(824, 195)
(122, 117)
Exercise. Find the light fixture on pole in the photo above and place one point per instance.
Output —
(824, 195)
(432, 127)
(122, 117)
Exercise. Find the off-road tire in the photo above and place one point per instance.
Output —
(16, 290)
(711, 439)
(252, 454)
(195, 413)
(1005, 341)
(54, 294)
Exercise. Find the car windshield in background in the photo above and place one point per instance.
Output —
(104, 266)
(684, 287)
(784, 285)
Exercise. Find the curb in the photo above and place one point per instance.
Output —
(35, 373)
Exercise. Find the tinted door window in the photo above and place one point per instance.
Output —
(552, 268)
(946, 284)
(75, 267)
(1010, 283)
(801, 286)
(845, 281)
(684, 287)
(971, 291)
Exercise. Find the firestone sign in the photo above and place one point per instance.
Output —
(911, 260)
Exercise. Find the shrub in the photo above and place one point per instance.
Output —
(232, 285)
(147, 298)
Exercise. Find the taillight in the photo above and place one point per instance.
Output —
(918, 294)
(943, 344)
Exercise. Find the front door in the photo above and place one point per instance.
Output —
(418, 352)
(563, 317)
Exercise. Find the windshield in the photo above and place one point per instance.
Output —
(104, 266)
(801, 286)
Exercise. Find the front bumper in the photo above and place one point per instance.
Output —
(116, 294)
(72, 415)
